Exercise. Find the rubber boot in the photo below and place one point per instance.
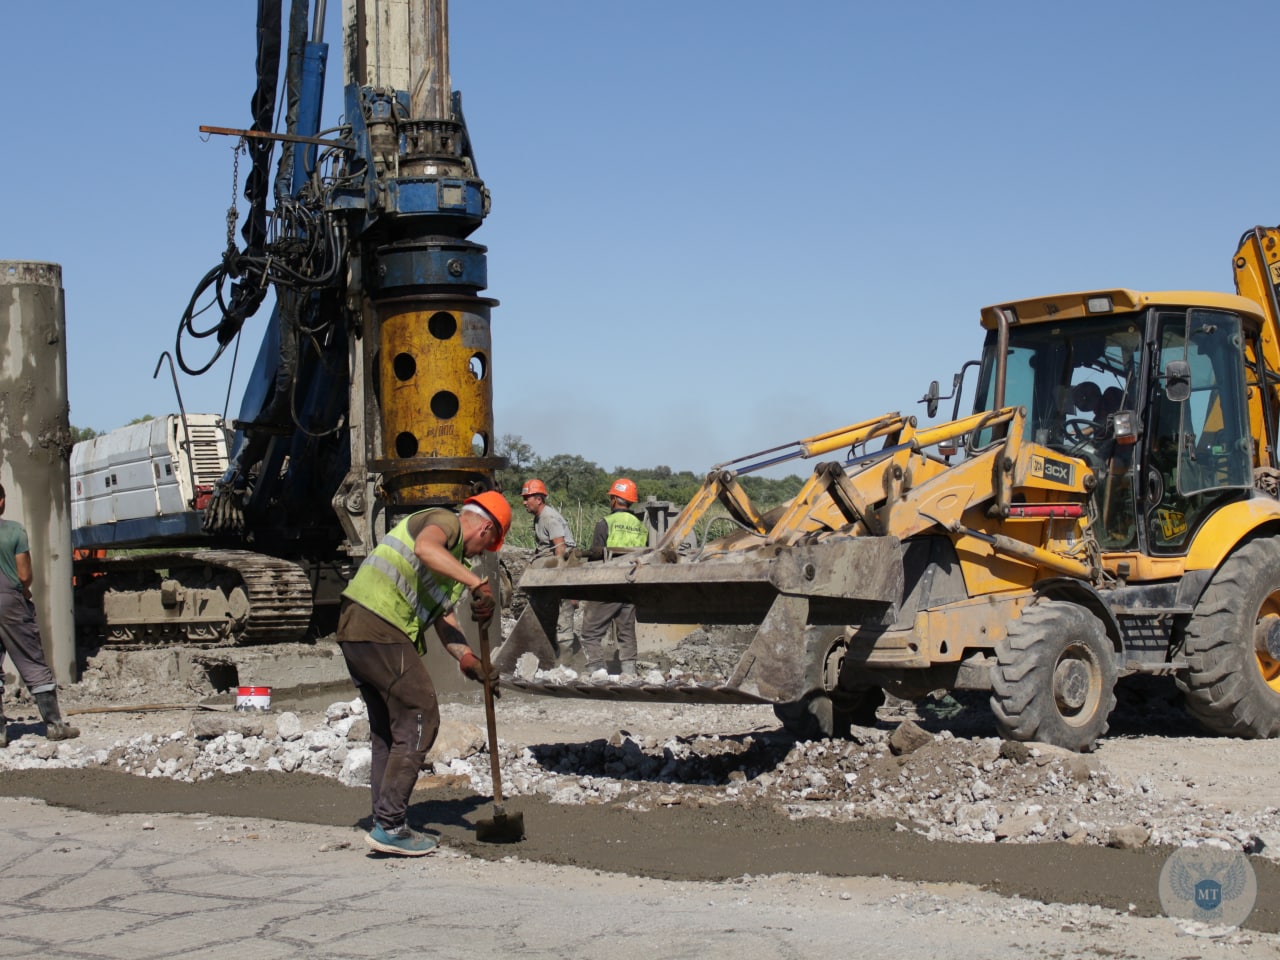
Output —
(55, 727)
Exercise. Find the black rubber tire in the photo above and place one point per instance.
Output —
(820, 717)
(1055, 676)
(1230, 687)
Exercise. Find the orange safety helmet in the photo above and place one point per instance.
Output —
(624, 489)
(533, 486)
(495, 505)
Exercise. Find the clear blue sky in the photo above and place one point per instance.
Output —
(716, 226)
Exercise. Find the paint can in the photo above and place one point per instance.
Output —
(253, 699)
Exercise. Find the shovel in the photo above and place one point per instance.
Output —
(504, 827)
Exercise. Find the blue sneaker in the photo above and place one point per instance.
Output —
(401, 841)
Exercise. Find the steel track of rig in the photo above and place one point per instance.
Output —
(214, 597)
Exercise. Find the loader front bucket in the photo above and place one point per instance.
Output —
(797, 598)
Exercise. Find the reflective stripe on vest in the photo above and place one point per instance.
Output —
(626, 530)
(409, 602)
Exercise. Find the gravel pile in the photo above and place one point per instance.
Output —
(974, 790)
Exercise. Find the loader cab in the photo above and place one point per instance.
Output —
(1148, 391)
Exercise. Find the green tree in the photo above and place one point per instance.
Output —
(571, 477)
(520, 458)
(80, 434)
(516, 450)
(578, 488)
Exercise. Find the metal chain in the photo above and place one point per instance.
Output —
(233, 214)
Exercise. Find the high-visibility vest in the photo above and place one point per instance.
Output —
(393, 583)
(626, 530)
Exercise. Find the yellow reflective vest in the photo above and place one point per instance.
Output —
(393, 583)
(626, 530)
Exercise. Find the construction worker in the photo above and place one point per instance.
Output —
(551, 538)
(412, 580)
(621, 529)
(19, 634)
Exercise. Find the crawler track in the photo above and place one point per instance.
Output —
(280, 596)
(213, 597)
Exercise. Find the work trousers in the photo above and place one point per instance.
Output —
(596, 617)
(20, 639)
(564, 623)
(404, 719)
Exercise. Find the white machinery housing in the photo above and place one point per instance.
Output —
(146, 479)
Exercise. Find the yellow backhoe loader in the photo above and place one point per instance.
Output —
(1109, 508)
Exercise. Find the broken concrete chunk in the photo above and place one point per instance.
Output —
(908, 738)
(455, 740)
(1020, 827)
(288, 726)
(207, 726)
(527, 666)
(1131, 836)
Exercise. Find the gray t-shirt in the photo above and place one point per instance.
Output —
(13, 541)
(549, 525)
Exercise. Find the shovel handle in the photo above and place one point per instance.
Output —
(490, 720)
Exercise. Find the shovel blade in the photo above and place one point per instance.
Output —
(502, 828)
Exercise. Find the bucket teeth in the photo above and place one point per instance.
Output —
(639, 692)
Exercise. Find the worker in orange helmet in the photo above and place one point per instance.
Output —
(551, 538)
(412, 580)
(620, 530)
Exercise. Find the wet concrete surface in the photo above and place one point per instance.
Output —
(682, 842)
(79, 886)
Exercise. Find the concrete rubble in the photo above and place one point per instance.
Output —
(934, 767)
(942, 786)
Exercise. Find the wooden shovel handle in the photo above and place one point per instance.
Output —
(489, 717)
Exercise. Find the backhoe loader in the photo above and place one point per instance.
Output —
(1109, 508)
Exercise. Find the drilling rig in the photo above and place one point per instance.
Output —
(371, 393)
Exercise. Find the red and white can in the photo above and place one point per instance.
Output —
(253, 698)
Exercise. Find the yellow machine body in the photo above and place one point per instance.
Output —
(436, 401)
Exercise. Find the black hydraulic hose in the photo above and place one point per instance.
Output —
(293, 92)
(248, 292)
(263, 106)
(214, 278)
(297, 247)
(278, 407)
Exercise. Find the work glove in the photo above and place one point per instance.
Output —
(473, 668)
(482, 602)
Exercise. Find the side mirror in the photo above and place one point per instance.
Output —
(931, 399)
(1177, 380)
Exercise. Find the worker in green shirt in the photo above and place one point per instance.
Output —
(19, 634)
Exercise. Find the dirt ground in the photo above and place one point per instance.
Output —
(712, 828)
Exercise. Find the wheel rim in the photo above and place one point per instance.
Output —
(1077, 685)
(1268, 666)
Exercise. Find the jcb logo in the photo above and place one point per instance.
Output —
(1172, 523)
(1057, 471)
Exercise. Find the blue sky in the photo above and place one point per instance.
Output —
(717, 226)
